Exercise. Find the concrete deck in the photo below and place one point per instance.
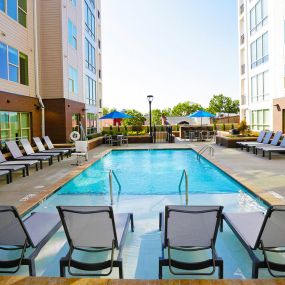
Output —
(266, 178)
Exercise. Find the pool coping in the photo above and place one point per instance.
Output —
(45, 193)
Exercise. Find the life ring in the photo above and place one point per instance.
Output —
(74, 136)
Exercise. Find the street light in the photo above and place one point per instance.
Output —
(150, 99)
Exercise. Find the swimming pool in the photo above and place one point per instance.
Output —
(149, 180)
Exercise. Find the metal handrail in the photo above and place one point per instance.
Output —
(184, 174)
(203, 149)
(111, 175)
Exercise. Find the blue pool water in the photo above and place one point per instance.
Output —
(151, 172)
(150, 181)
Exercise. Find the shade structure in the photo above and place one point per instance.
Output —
(116, 115)
(201, 114)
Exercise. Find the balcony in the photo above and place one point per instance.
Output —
(242, 38)
(241, 8)
(242, 69)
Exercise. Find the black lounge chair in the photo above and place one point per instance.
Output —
(190, 229)
(270, 148)
(27, 164)
(18, 235)
(8, 175)
(258, 140)
(17, 154)
(51, 146)
(30, 151)
(265, 232)
(93, 229)
(14, 168)
(42, 149)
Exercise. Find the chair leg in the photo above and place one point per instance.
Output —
(160, 269)
(32, 268)
(62, 268)
(27, 170)
(132, 222)
(220, 264)
(121, 275)
(254, 273)
(24, 172)
(269, 155)
(41, 164)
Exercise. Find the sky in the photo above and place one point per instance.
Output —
(175, 50)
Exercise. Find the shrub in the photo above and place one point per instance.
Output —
(223, 127)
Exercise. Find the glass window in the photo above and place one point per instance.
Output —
(89, 56)
(3, 61)
(2, 5)
(265, 9)
(72, 34)
(24, 75)
(22, 12)
(259, 49)
(73, 80)
(73, 2)
(266, 83)
(89, 20)
(75, 122)
(90, 91)
(260, 119)
(91, 123)
(260, 86)
(253, 53)
(13, 59)
(12, 8)
(265, 44)
(252, 19)
(258, 13)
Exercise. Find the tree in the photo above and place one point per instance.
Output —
(223, 104)
(107, 110)
(185, 108)
(156, 116)
(166, 112)
(138, 118)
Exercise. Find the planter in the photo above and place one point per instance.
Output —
(230, 142)
(95, 142)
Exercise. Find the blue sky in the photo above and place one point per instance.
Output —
(176, 50)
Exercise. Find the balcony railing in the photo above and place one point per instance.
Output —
(242, 69)
(242, 39)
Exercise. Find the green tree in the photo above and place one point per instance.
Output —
(138, 118)
(156, 116)
(166, 112)
(107, 110)
(223, 104)
(185, 108)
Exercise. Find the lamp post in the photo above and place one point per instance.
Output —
(150, 99)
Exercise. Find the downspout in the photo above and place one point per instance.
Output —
(36, 59)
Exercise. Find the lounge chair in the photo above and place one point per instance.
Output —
(42, 149)
(30, 151)
(93, 229)
(14, 168)
(51, 146)
(81, 151)
(265, 232)
(270, 148)
(190, 229)
(27, 163)
(258, 140)
(6, 173)
(253, 145)
(18, 234)
(17, 154)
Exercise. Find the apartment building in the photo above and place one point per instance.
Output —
(262, 63)
(50, 68)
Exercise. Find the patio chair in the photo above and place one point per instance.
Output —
(274, 143)
(273, 149)
(115, 140)
(265, 141)
(30, 151)
(258, 140)
(81, 151)
(93, 230)
(27, 164)
(264, 232)
(7, 174)
(51, 146)
(125, 139)
(19, 235)
(190, 229)
(42, 149)
(17, 154)
(14, 168)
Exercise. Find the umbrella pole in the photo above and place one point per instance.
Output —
(201, 122)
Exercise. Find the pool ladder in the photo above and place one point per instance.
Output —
(203, 149)
(185, 177)
(111, 175)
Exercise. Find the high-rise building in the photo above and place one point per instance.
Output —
(50, 68)
(262, 62)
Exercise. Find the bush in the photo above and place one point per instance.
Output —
(223, 127)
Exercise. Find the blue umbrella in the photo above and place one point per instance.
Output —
(201, 114)
(116, 115)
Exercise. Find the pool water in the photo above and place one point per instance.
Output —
(150, 181)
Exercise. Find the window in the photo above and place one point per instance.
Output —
(89, 21)
(24, 75)
(89, 56)
(75, 122)
(14, 126)
(73, 2)
(16, 9)
(258, 15)
(73, 80)
(90, 91)
(13, 65)
(72, 34)
(259, 51)
(260, 119)
(259, 87)
(91, 123)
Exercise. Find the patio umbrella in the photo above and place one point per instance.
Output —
(201, 114)
(116, 115)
